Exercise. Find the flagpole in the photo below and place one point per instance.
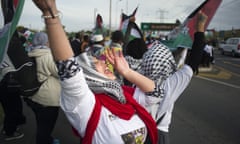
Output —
(110, 17)
(94, 17)
(117, 16)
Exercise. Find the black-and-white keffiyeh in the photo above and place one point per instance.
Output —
(97, 82)
(158, 64)
(134, 64)
(67, 68)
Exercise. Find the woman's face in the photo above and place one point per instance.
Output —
(102, 68)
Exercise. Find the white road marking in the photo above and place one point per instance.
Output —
(219, 82)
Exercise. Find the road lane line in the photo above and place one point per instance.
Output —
(223, 69)
(236, 65)
(219, 82)
(220, 75)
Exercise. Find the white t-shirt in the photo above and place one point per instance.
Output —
(208, 49)
(77, 101)
(173, 86)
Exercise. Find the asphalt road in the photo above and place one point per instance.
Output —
(208, 112)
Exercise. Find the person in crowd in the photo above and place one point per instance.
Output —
(159, 65)
(208, 54)
(45, 103)
(10, 98)
(116, 44)
(97, 46)
(95, 104)
(12, 106)
(76, 44)
(136, 52)
(85, 43)
(116, 39)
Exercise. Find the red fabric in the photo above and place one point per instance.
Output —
(124, 111)
(92, 123)
(143, 114)
(209, 8)
(15, 3)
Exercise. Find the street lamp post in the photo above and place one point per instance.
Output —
(117, 16)
(110, 16)
(94, 17)
(126, 6)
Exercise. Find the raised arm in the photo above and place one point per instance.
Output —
(198, 43)
(58, 40)
(120, 64)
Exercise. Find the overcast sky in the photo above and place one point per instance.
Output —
(79, 14)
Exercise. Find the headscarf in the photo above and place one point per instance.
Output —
(158, 64)
(97, 82)
(39, 41)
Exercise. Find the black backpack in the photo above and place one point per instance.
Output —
(27, 77)
(26, 73)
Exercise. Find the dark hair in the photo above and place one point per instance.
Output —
(136, 48)
(117, 36)
(78, 35)
(86, 38)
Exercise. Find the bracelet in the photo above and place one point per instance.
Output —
(51, 16)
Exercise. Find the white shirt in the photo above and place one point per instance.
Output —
(77, 101)
(208, 49)
(173, 86)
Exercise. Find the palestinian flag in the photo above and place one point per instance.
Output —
(130, 30)
(125, 20)
(183, 35)
(99, 28)
(12, 10)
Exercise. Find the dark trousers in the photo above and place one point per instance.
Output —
(13, 109)
(206, 59)
(163, 138)
(46, 118)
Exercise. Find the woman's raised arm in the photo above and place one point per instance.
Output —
(58, 40)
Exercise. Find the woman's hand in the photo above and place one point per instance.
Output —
(118, 61)
(48, 7)
(201, 21)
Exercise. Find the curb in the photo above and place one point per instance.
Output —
(205, 69)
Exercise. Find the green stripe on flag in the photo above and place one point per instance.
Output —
(181, 40)
(11, 27)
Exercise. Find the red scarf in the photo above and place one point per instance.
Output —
(124, 111)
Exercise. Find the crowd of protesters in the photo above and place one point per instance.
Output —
(107, 96)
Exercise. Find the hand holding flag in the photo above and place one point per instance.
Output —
(182, 36)
(132, 34)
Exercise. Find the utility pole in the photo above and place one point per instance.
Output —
(117, 16)
(110, 17)
(161, 15)
(127, 7)
(94, 17)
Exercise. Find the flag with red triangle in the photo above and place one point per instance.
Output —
(99, 27)
(182, 36)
